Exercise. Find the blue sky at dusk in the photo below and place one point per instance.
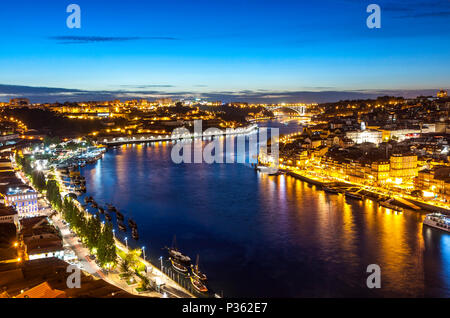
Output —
(231, 50)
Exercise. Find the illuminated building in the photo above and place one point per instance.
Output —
(442, 94)
(23, 198)
(400, 134)
(362, 136)
(41, 239)
(9, 215)
(165, 102)
(403, 166)
(380, 171)
(434, 182)
(19, 102)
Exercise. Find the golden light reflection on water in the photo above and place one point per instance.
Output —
(356, 233)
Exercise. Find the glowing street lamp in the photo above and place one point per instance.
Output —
(143, 251)
(126, 241)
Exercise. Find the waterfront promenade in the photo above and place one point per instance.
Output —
(400, 199)
(115, 141)
(166, 288)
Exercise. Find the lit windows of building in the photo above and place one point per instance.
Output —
(362, 136)
(403, 167)
(381, 171)
(24, 199)
(442, 94)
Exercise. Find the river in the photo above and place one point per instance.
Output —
(274, 236)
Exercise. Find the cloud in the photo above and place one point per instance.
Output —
(427, 14)
(50, 94)
(418, 9)
(101, 39)
(147, 86)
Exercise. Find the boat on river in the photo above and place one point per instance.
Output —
(438, 221)
(111, 208)
(198, 285)
(353, 195)
(388, 205)
(176, 254)
(178, 266)
(271, 171)
(121, 226)
(132, 224)
(330, 190)
(135, 234)
(120, 216)
(196, 270)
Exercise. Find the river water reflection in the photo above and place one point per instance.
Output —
(260, 235)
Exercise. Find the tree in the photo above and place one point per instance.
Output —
(93, 232)
(145, 282)
(38, 179)
(107, 248)
(53, 194)
(48, 141)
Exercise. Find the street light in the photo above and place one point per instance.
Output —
(126, 241)
(161, 259)
(143, 250)
(114, 233)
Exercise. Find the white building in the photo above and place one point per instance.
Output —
(361, 136)
(24, 199)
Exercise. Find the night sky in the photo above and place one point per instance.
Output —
(253, 50)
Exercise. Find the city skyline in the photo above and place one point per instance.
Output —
(254, 51)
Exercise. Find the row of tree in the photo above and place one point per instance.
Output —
(97, 237)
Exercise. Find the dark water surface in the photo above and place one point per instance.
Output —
(260, 235)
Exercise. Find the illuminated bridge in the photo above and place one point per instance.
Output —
(300, 109)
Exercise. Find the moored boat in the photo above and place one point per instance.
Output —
(111, 208)
(389, 206)
(120, 216)
(330, 190)
(121, 227)
(438, 221)
(198, 285)
(134, 234)
(196, 271)
(178, 266)
(176, 254)
(132, 224)
(353, 195)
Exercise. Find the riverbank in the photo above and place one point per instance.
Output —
(116, 141)
(163, 284)
(402, 202)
